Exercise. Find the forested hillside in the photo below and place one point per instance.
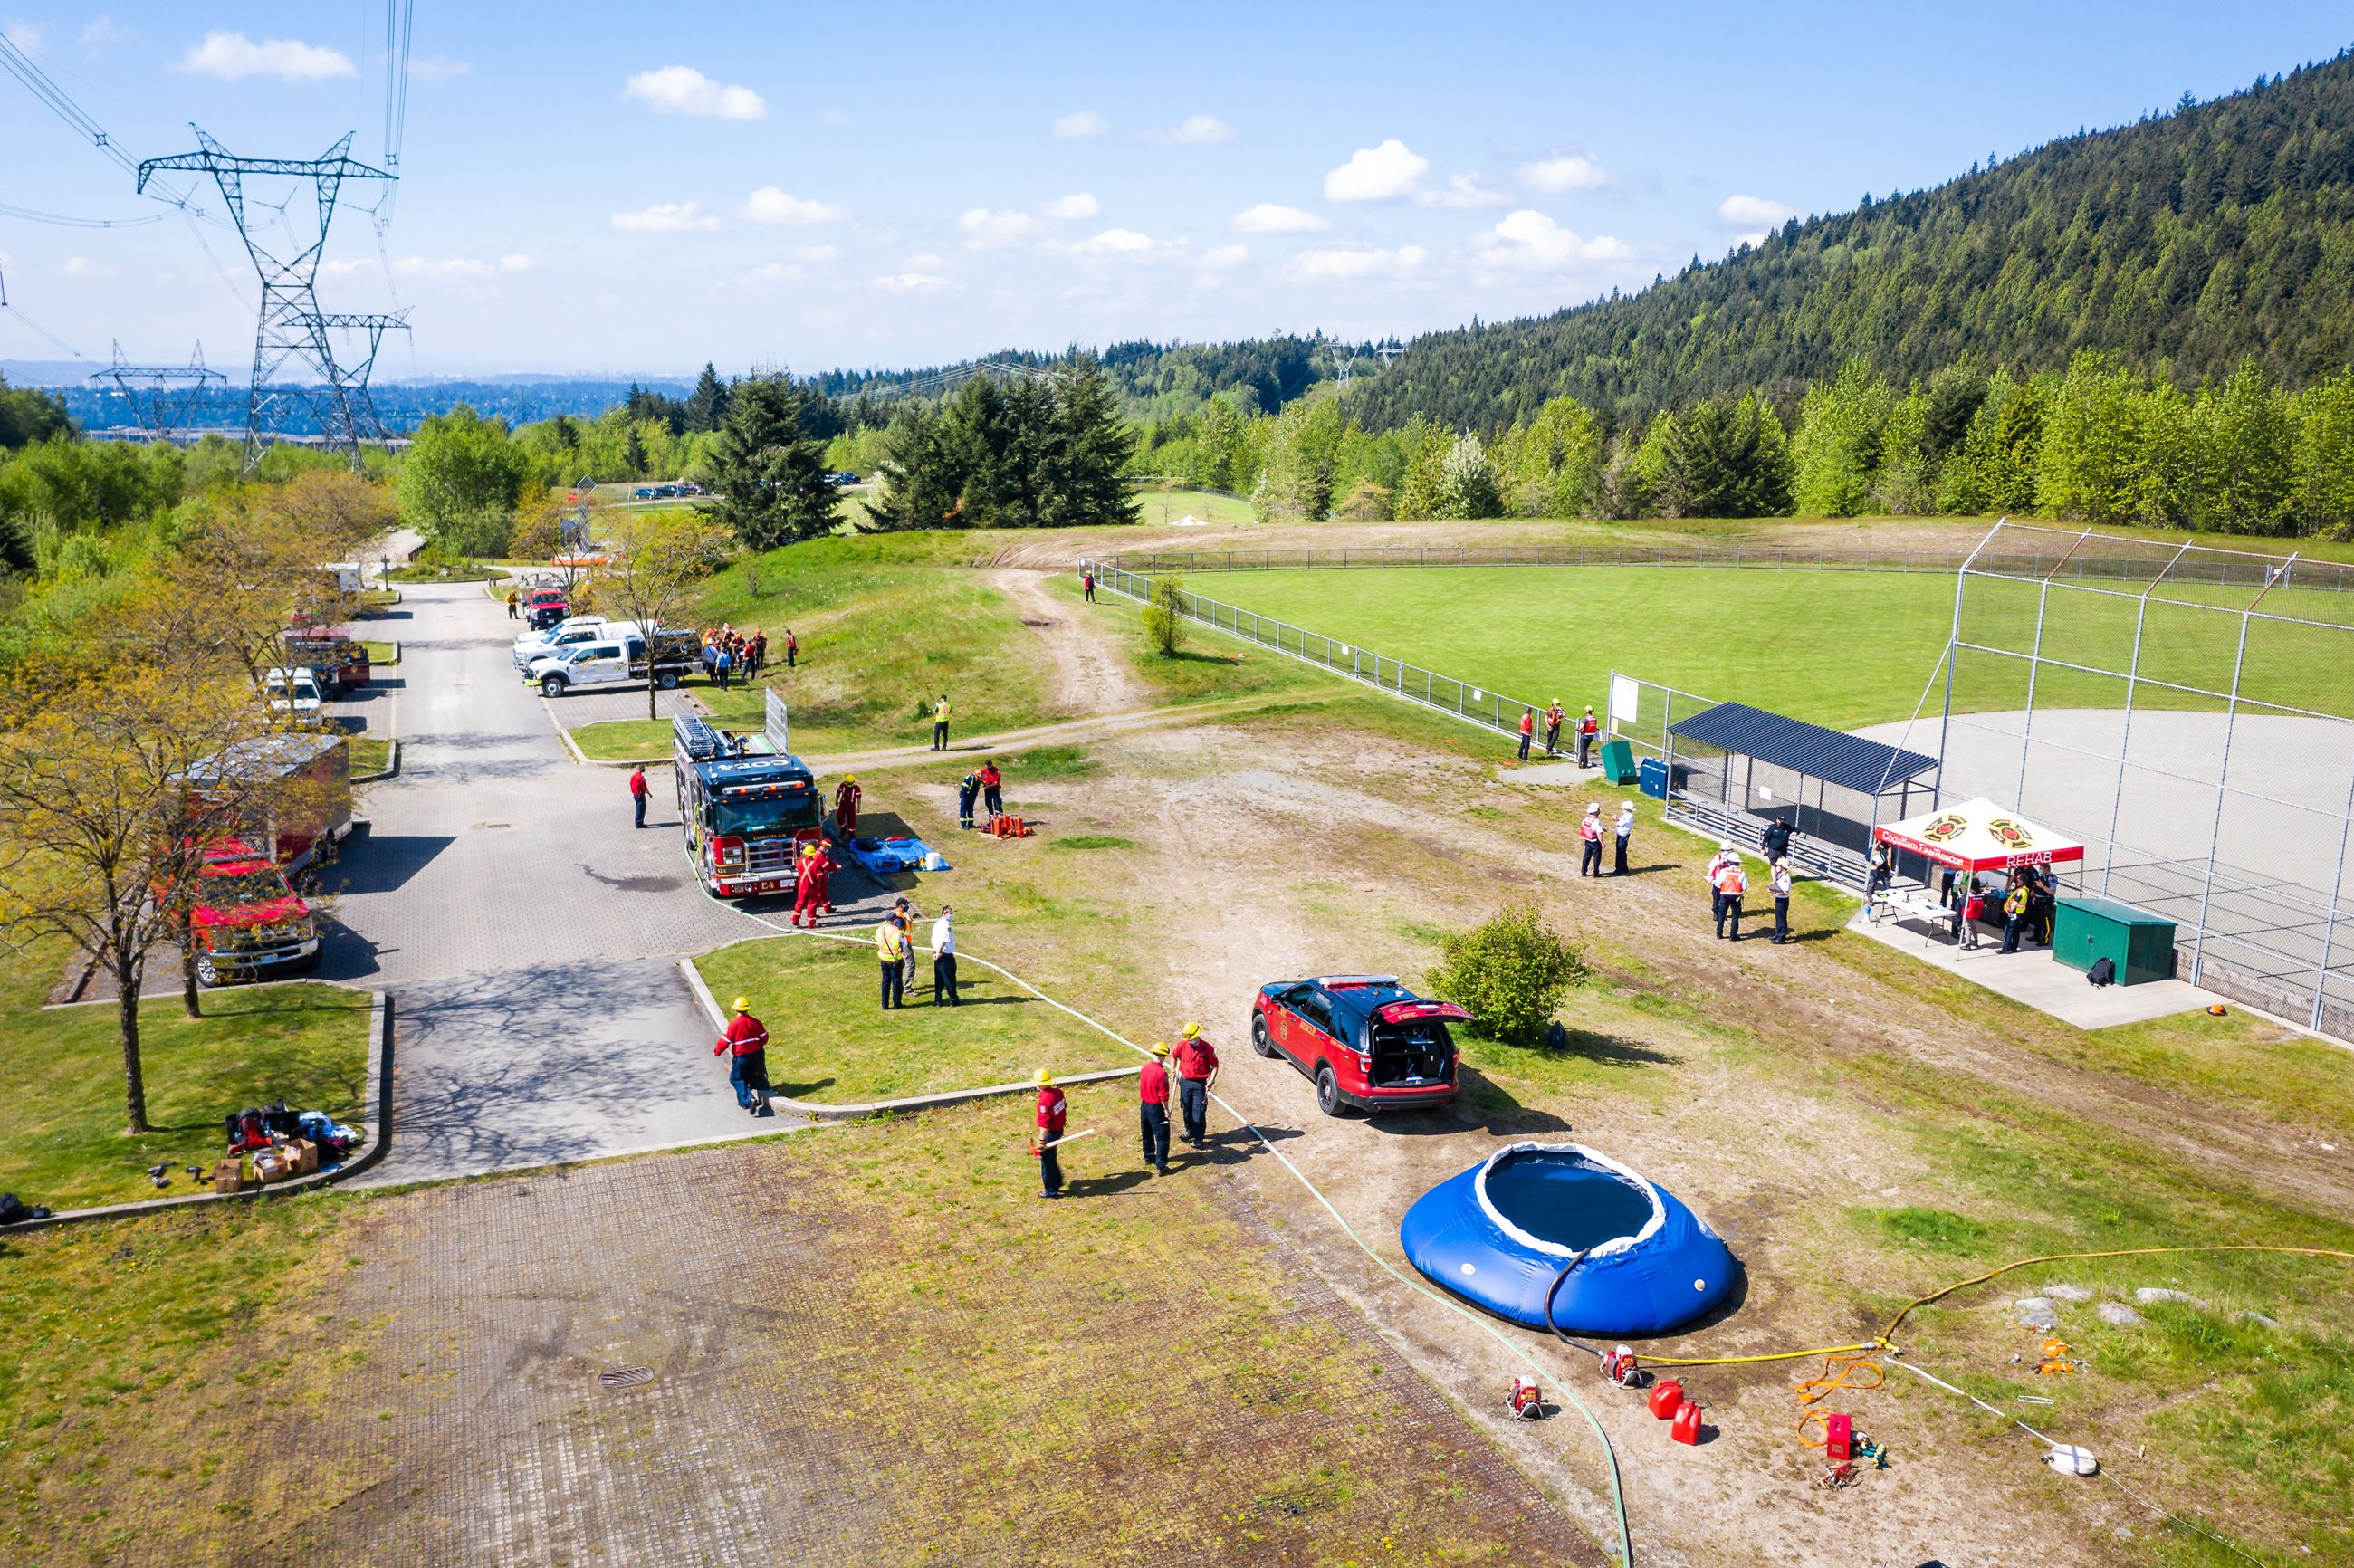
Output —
(2181, 246)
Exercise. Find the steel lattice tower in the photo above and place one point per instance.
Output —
(163, 398)
(292, 331)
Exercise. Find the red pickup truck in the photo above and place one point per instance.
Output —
(330, 653)
(1363, 1040)
(247, 922)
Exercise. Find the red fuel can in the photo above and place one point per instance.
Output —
(1666, 1399)
(1687, 1425)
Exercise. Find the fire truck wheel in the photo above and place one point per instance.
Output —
(1259, 1042)
(208, 975)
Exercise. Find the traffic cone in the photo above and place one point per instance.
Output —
(1687, 1425)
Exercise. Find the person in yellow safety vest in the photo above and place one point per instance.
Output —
(1780, 886)
(1730, 881)
(891, 951)
(940, 723)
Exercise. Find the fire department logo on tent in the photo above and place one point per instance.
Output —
(1943, 828)
(2009, 834)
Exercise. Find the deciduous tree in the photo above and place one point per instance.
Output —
(654, 561)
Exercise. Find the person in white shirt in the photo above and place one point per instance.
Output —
(944, 978)
(1779, 885)
(1623, 829)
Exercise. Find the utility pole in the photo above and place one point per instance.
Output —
(164, 399)
(292, 329)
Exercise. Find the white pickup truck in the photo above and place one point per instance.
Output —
(566, 635)
(294, 692)
(618, 662)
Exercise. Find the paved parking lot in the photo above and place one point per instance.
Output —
(529, 934)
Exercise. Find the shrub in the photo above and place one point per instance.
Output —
(1164, 618)
(1511, 973)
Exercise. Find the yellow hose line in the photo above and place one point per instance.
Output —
(1775, 1356)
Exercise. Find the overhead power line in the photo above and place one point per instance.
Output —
(32, 214)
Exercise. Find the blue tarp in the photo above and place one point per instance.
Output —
(1500, 1233)
(886, 857)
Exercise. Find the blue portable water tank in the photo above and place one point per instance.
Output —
(1652, 778)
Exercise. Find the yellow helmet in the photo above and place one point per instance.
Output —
(1160, 1047)
(1044, 1077)
(850, 778)
(742, 1004)
(1192, 1031)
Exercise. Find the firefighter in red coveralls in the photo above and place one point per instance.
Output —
(846, 796)
(808, 885)
(746, 1042)
(1052, 1109)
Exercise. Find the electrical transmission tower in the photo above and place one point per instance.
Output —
(294, 332)
(163, 400)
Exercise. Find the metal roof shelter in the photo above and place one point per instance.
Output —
(1732, 769)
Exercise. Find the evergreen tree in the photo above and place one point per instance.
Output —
(707, 406)
(1837, 450)
(923, 480)
(1725, 458)
(1087, 480)
(767, 474)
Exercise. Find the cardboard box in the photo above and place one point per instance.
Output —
(304, 1154)
(229, 1174)
(272, 1165)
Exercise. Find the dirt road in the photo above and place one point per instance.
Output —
(1085, 674)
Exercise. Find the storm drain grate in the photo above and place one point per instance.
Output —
(625, 1377)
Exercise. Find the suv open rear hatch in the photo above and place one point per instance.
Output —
(1411, 1045)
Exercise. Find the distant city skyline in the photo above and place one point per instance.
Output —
(595, 193)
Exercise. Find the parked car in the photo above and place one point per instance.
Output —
(845, 477)
(688, 487)
(564, 634)
(619, 659)
(642, 492)
(1363, 1040)
(292, 691)
(665, 491)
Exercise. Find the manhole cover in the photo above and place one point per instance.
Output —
(625, 1377)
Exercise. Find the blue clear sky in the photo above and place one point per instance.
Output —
(637, 189)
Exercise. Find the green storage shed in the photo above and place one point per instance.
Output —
(2141, 946)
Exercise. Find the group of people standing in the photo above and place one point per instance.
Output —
(1196, 1064)
(2026, 905)
(730, 654)
(1589, 730)
(1728, 883)
(894, 952)
(1590, 829)
(984, 785)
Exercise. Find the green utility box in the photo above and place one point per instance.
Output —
(2086, 929)
(1617, 762)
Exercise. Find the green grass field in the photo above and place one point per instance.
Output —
(1843, 649)
(61, 1138)
(1000, 1036)
(1160, 508)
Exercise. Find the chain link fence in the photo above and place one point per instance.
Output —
(1466, 700)
(2189, 713)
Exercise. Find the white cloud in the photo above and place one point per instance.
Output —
(815, 254)
(232, 56)
(1081, 122)
(1116, 242)
(25, 34)
(101, 33)
(1529, 242)
(1357, 263)
(1269, 218)
(438, 67)
(1464, 191)
(1377, 174)
(667, 218)
(467, 268)
(982, 228)
(1220, 257)
(772, 272)
(83, 266)
(1570, 172)
(683, 89)
(769, 205)
(1196, 130)
(1753, 212)
(834, 117)
(1078, 204)
(926, 261)
(913, 283)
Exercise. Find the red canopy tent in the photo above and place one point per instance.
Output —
(1978, 835)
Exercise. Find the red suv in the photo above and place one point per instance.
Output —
(1363, 1040)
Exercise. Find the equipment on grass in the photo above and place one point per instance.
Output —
(1526, 1403)
(1070, 1137)
(1666, 1399)
(1003, 826)
(1557, 1236)
(1620, 1367)
(2057, 1361)
(1685, 1428)
(2071, 1460)
(2217, 1010)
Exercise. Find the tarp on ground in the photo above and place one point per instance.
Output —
(1979, 835)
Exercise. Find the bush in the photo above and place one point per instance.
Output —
(1164, 618)
(1511, 973)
